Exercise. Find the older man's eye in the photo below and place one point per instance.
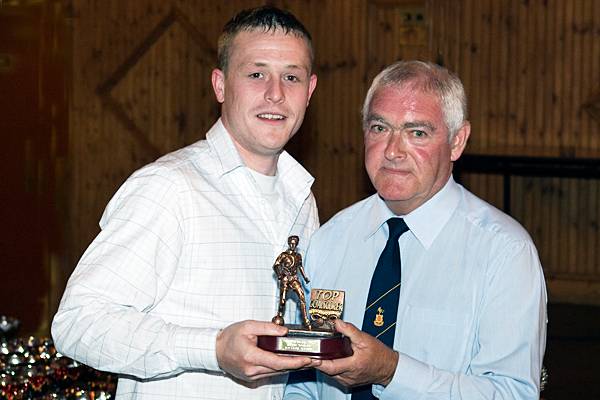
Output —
(377, 128)
(419, 133)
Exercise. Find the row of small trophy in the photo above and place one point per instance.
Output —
(31, 368)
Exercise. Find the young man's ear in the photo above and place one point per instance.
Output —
(218, 83)
(311, 87)
(459, 141)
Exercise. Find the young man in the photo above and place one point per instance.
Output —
(469, 316)
(173, 292)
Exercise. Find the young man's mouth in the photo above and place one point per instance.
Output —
(271, 117)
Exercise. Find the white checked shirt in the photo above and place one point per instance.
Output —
(186, 248)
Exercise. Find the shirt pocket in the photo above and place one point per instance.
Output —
(435, 336)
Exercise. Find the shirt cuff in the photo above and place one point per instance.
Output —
(409, 380)
(195, 348)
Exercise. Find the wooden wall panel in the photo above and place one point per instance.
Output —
(562, 216)
(329, 143)
(528, 68)
(33, 125)
(531, 71)
(141, 87)
(397, 30)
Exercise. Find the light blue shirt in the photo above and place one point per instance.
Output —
(472, 310)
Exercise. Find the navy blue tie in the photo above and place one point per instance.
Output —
(382, 304)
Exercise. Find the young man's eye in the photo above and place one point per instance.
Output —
(292, 78)
(256, 75)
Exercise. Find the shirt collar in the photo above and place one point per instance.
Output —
(222, 145)
(379, 214)
(294, 176)
(427, 221)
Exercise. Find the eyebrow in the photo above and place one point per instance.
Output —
(419, 124)
(406, 125)
(290, 66)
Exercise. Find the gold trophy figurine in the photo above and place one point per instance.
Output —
(286, 267)
(317, 339)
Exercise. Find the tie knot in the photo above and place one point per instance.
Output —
(397, 228)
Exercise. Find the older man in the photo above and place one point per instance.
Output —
(173, 292)
(448, 290)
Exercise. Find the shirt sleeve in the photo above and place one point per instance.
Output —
(507, 358)
(105, 317)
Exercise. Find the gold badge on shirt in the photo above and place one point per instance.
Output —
(378, 317)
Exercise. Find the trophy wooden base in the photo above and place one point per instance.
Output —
(316, 343)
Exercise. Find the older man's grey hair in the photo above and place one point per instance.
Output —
(427, 78)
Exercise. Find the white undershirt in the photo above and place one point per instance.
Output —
(267, 185)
